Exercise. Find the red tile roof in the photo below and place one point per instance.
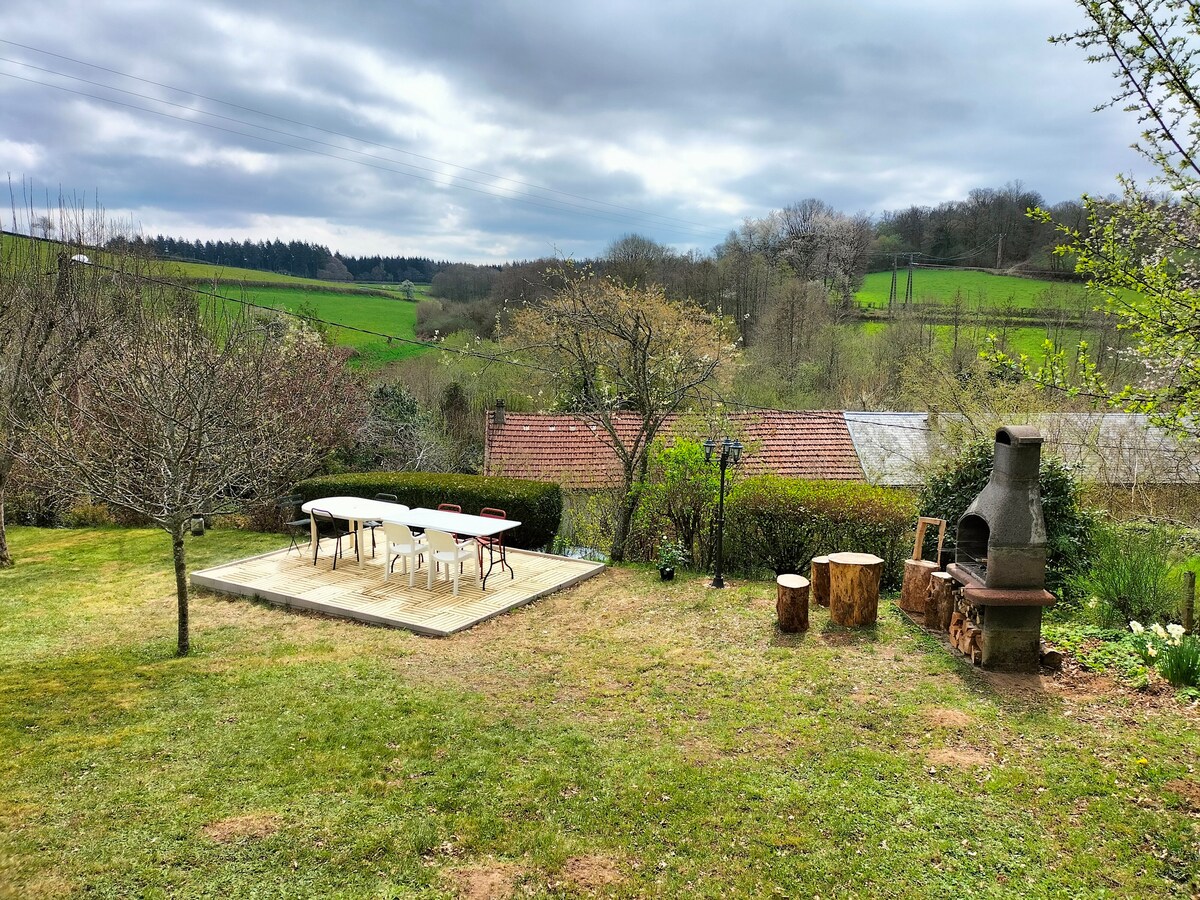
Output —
(569, 451)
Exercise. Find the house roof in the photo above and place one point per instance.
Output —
(576, 454)
(899, 448)
(894, 448)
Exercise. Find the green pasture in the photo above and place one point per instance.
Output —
(379, 314)
(980, 290)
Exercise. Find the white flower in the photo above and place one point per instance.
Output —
(1175, 630)
(1093, 603)
(1159, 630)
(1136, 627)
(1151, 650)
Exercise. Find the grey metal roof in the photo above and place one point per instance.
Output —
(900, 448)
(894, 448)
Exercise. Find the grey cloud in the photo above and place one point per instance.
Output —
(867, 106)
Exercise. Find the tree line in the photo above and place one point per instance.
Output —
(299, 258)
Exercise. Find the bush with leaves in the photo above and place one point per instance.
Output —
(680, 495)
(1129, 578)
(780, 524)
(1069, 526)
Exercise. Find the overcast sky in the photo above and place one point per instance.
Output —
(509, 129)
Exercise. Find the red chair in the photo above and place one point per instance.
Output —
(451, 507)
(493, 542)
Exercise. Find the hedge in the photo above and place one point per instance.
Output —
(537, 505)
(779, 524)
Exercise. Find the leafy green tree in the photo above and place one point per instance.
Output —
(1140, 250)
(682, 490)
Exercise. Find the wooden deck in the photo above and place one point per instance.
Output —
(287, 579)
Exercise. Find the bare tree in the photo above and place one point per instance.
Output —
(48, 313)
(187, 406)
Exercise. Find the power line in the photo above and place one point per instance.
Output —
(559, 209)
(260, 112)
(693, 230)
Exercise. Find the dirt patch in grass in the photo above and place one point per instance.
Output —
(937, 717)
(590, 873)
(487, 881)
(958, 758)
(254, 826)
(1188, 791)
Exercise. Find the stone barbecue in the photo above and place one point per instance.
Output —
(1000, 556)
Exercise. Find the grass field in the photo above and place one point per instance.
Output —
(379, 314)
(980, 290)
(625, 739)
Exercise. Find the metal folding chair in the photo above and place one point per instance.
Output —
(335, 530)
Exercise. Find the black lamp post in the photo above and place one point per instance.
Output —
(731, 452)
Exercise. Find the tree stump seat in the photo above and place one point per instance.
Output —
(819, 577)
(854, 588)
(791, 603)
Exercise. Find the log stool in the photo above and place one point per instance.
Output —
(854, 588)
(819, 575)
(915, 588)
(791, 603)
(939, 605)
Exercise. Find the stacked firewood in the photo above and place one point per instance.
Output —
(966, 637)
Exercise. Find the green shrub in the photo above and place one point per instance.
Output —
(86, 514)
(780, 524)
(1069, 526)
(1129, 578)
(537, 505)
(679, 497)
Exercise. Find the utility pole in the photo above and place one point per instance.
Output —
(892, 293)
(999, 250)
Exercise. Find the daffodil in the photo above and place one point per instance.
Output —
(1175, 630)
(1159, 630)
(1136, 627)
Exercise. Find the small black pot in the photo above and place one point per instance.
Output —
(667, 573)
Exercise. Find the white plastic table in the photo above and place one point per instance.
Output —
(358, 510)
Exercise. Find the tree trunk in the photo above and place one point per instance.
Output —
(6, 464)
(181, 587)
(791, 603)
(819, 576)
(629, 507)
(915, 588)
(854, 588)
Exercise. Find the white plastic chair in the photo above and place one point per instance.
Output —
(401, 544)
(443, 548)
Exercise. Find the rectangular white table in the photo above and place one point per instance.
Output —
(357, 510)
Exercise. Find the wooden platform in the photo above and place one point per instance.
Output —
(287, 579)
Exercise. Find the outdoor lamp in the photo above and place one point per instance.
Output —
(731, 452)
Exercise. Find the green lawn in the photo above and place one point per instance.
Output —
(627, 739)
(379, 314)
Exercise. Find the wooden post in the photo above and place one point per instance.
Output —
(939, 606)
(791, 603)
(915, 587)
(819, 575)
(854, 588)
(1189, 602)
